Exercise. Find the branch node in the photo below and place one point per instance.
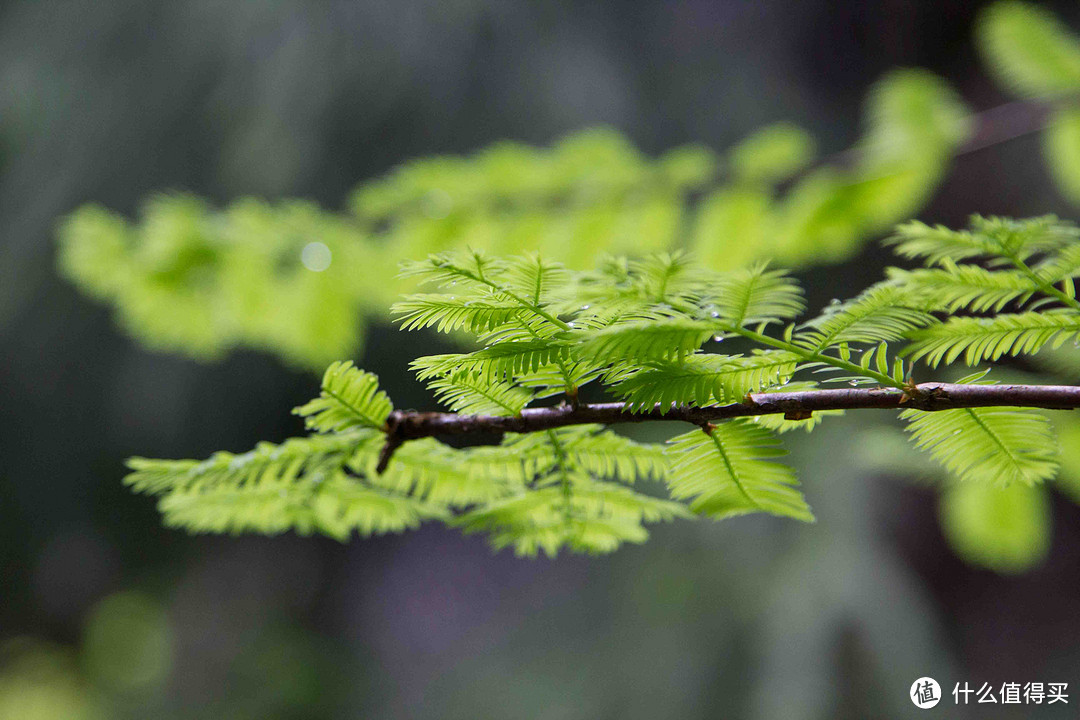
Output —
(928, 397)
(393, 442)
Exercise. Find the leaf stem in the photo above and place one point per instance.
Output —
(1047, 287)
(816, 356)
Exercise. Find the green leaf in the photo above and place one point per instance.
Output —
(1068, 431)
(444, 476)
(773, 153)
(1060, 266)
(731, 227)
(1061, 150)
(1032, 52)
(448, 313)
(350, 398)
(297, 460)
(345, 506)
(666, 277)
(189, 278)
(727, 473)
(1004, 529)
(646, 287)
(915, 122)
(999, 446)
(978, 339)
(705, 379)
(471, 269)
(336, 508)
(502, 361)
(964, 287)
(689, 165)
(881, 313)
(992, 237)
(596, 517)
(915, 118)
(470, 394)
(754, 296)
(534, 278)
(601, 453)
(646, 340)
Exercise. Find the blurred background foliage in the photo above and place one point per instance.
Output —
(729, 128)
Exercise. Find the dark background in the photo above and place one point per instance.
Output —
(111, 101)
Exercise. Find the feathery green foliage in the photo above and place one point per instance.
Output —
(706, 379)
(1040, 259)
(987, 445)
(880, 314)
(642, 329)
(650, 340)
(754, 296)
(467, 393)
(972, 287)
(310, 460)
(589, 264)
(350, 398)
(1032, 51)
(727, 471)
(978, 339)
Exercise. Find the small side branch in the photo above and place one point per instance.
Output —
(404, 425)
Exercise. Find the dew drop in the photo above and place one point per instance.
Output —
(957, 431)
(718, 338)
(834, 301)
(585, 307)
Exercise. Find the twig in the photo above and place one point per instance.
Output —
(405, 425)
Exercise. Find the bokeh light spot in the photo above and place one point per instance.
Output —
(316, 256)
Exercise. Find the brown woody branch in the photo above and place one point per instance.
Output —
(404, 425)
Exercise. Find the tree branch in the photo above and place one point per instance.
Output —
(404, 425)
(990, 127)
